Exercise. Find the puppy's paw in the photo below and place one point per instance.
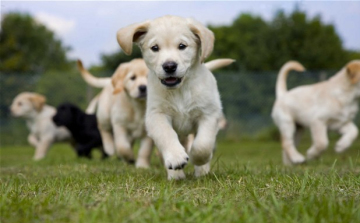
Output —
(202, 170)
(176, 159)
(175, 174)
(200, 157)
(142, 163)
(312, 153)
(38, 157)
(297, 159)
(340, 148)
(127, 154)
(286, 160)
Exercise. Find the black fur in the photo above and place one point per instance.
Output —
(82, 126)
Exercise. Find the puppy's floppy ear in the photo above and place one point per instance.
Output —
(131, 34)
(38, 101)
(206, 37)
(353, 71)
(117, 79)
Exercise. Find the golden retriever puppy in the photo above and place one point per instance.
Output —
(121, 111)
(183, 97)
(121, 108)
(38, 115)
(328, 105)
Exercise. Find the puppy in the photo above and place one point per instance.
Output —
(38, 115)
(121, 109)
(328, 105)
(183, 97)
(83, 128)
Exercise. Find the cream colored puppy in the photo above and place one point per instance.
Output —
(38, 115)
(121, 108)
(183, 97)
(328, 105)
(121, 111)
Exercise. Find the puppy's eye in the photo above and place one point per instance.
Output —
(182, 46)
(133, 77)
(19, 103)
(155, 48)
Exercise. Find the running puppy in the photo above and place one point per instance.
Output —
(38, 115)
(121, 111)
(331, 104)
(122, 106)
(183, 97)
(83, 128)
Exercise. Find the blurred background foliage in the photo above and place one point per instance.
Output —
(27, 46)
(32, 58)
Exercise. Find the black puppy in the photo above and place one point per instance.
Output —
(82, 126)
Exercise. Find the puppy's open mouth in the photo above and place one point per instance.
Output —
(170, 81)
(142, 96)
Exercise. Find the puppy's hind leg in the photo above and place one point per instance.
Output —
(319, 138)
(175, 174)
(290, 154)
(348, 132)
(203, 145)
(202, 170)
(298, 134)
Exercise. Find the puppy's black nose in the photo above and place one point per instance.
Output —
(169, 67)
(142, 88)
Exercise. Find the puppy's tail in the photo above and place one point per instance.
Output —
(90, 79)
(281, 87)
(218, 63)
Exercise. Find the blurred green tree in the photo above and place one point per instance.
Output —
(111, 61)
(315, 44)
(245, 40)
(258, 45)
(27, 46)
(27, 50)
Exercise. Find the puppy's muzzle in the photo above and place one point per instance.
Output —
(143, 91)
(170, 71)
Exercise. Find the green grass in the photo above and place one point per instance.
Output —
(247, 184)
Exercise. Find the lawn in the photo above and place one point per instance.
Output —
(247, 184)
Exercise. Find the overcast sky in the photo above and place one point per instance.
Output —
(89, 28)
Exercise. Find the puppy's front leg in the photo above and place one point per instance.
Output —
(123, 144)
(33, 140)
(42, 147)
(348, 132)
(160, 130)
(108, 141)
(146, 147)
(203, 145)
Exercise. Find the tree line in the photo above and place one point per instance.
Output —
(33, 58)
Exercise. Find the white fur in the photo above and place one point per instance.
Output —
(328, 105)
(121, 114)
(191, 107)
(43, 132)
